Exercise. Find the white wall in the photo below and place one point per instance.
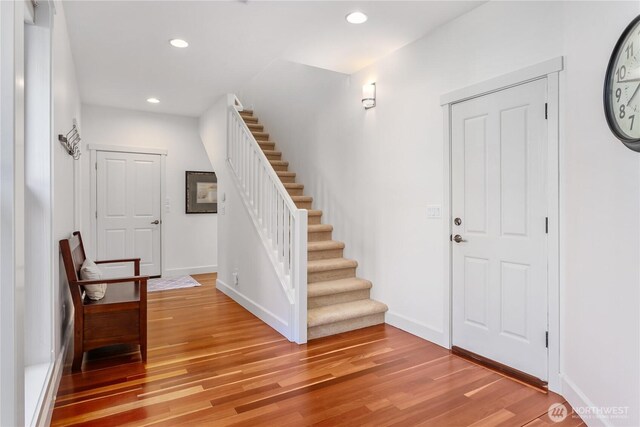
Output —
(241, 250)
(374, 172)
(190, 240)
(66, 107)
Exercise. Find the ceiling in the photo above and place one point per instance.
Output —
(123, 57)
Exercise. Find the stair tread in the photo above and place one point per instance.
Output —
(272, 152)
(345, 311)
(247, 112)
(279, 162)
(285, 173)
(302, 198)
(324, 245)
(315, 228)
(292, 185)
(330, 264)
(331, 287)
(314, 212)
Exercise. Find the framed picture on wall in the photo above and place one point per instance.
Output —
(201, 192)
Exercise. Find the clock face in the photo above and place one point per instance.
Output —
(622, 87)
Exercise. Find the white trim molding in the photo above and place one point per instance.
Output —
(577, 399)
(187, 271)
(549, 70)
(505, 81)
(49, 398)
(127, 149)
(417, 328)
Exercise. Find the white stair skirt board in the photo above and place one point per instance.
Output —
(271, 319)
(164, 284)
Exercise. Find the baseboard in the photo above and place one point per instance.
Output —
(187, 271)
(256, 309)
(46, 410)
(577, 399)
(416, 328)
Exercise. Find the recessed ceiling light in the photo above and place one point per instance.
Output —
(178, 43)
(356, 18)
(153, 100)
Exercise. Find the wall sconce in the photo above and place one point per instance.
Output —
(369, 95)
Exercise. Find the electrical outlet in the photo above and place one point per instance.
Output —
(235, 278)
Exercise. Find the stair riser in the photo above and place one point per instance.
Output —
(314, 219)
(260, 136)
(319, 236)
(304, 205)
(255, 127)
(344, 326)
(337, 298)
(249, 119)
(274, 156)
(287, 178)
(295, 191)
(267, 145)
(323, 276)
(328, 254)
(281, 168)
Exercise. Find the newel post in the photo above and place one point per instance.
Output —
(300, 275)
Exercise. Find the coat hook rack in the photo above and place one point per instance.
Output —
(71, 141)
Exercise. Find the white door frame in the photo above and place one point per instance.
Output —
(94, 148)
(550, 70)
(12, 275)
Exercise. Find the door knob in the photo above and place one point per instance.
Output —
(458, 239)
(156, 222)
(457, 221)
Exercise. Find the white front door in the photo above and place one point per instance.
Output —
(128, 211)
(499, 210)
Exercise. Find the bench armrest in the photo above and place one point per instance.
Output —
(113, 261)
(142, 279)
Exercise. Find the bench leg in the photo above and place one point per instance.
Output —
(76, 365)
(143, 351)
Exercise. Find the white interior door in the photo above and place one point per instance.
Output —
(128, 211)
(499, 210)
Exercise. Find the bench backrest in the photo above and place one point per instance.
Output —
(73, 256)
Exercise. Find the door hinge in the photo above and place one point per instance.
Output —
(546, 225)
(96, 214)
(96, 165)
(546, 339)
(546, 111)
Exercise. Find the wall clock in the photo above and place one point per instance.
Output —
(622, 87)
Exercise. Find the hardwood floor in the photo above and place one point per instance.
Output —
(210, 362)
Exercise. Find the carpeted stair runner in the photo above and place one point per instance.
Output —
(338, 301)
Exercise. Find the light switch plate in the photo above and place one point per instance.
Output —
(434, 211)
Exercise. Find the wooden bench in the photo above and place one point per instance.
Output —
(119, 318)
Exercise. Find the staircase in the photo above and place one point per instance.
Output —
(337, 300)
